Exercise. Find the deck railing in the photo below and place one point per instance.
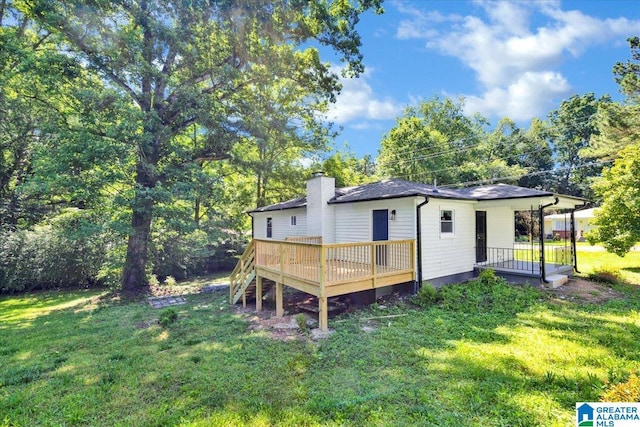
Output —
(335, 263)
(243, 273)
(305, 239)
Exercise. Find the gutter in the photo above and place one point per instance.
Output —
(543, 274)
(418, 284)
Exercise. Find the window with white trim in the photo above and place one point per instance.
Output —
(269, 228)
(293, 220)
(446, 221)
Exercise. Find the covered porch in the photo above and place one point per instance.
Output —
(538, 258)
(327, 270)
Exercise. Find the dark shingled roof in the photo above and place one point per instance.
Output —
(501, 191)
(397, 188)
(393, 189)
(298, 202)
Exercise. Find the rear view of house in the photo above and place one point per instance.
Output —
(334, 241)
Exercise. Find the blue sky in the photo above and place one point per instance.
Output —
(517, 59)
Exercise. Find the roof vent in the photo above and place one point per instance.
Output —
(435, 185)
(317, 174)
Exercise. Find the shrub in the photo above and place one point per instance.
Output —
(167, 317)
(427, 296)
(606, 275)
(301, 320)
(486, 293)
(628, 391)
(189, 252)
(153, 280)
(170, 281)
(68, 251)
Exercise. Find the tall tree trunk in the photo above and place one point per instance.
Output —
(134, 276)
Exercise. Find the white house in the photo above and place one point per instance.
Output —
(560, 224)
(447, 235)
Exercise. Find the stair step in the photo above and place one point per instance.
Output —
(557, 280)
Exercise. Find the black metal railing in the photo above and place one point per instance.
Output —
(524, 257)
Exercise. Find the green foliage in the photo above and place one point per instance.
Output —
(617, 221)
(301, 320)
(627, 391)
(67, 361)
(167, 317)
(437, 141)
(427, 296)
(607, 275)
(348, 170)
(69, 251)
(572, 126)
(170, 281)
(488, 293)
(628, 73)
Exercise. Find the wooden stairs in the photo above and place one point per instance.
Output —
(243, 278)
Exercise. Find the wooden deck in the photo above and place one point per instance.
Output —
(328, 270)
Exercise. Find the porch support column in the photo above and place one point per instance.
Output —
(574, 253)
(258, 293)
(543, 274)
(279, 305)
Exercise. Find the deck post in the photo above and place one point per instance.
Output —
(323, 320)
(323, 309)
(244, 299)
(373, 263)
(258, 293)
(279, 304)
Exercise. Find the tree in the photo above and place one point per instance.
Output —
(430, 141)
(617, 222)
(628, 73)
(438, 142)
(185, 63)
(572, 126)
(348, 170)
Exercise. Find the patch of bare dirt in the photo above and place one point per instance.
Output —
(583, 291)
(283, 328)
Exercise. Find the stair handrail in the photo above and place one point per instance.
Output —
(244, 268)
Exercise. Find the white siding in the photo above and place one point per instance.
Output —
(500, 227)
(447, 254)
(281, 223)
(354, 221)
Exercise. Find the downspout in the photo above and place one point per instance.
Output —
(543, 274)
(418, 284)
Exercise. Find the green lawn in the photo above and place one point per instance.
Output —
(484, 356)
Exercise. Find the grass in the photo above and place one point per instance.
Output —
(486, 354)
(629, 265)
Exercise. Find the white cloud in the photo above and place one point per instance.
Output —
(516, 66)
(357, 101)
(530, 96)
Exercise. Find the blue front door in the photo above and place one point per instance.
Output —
(381, 232)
